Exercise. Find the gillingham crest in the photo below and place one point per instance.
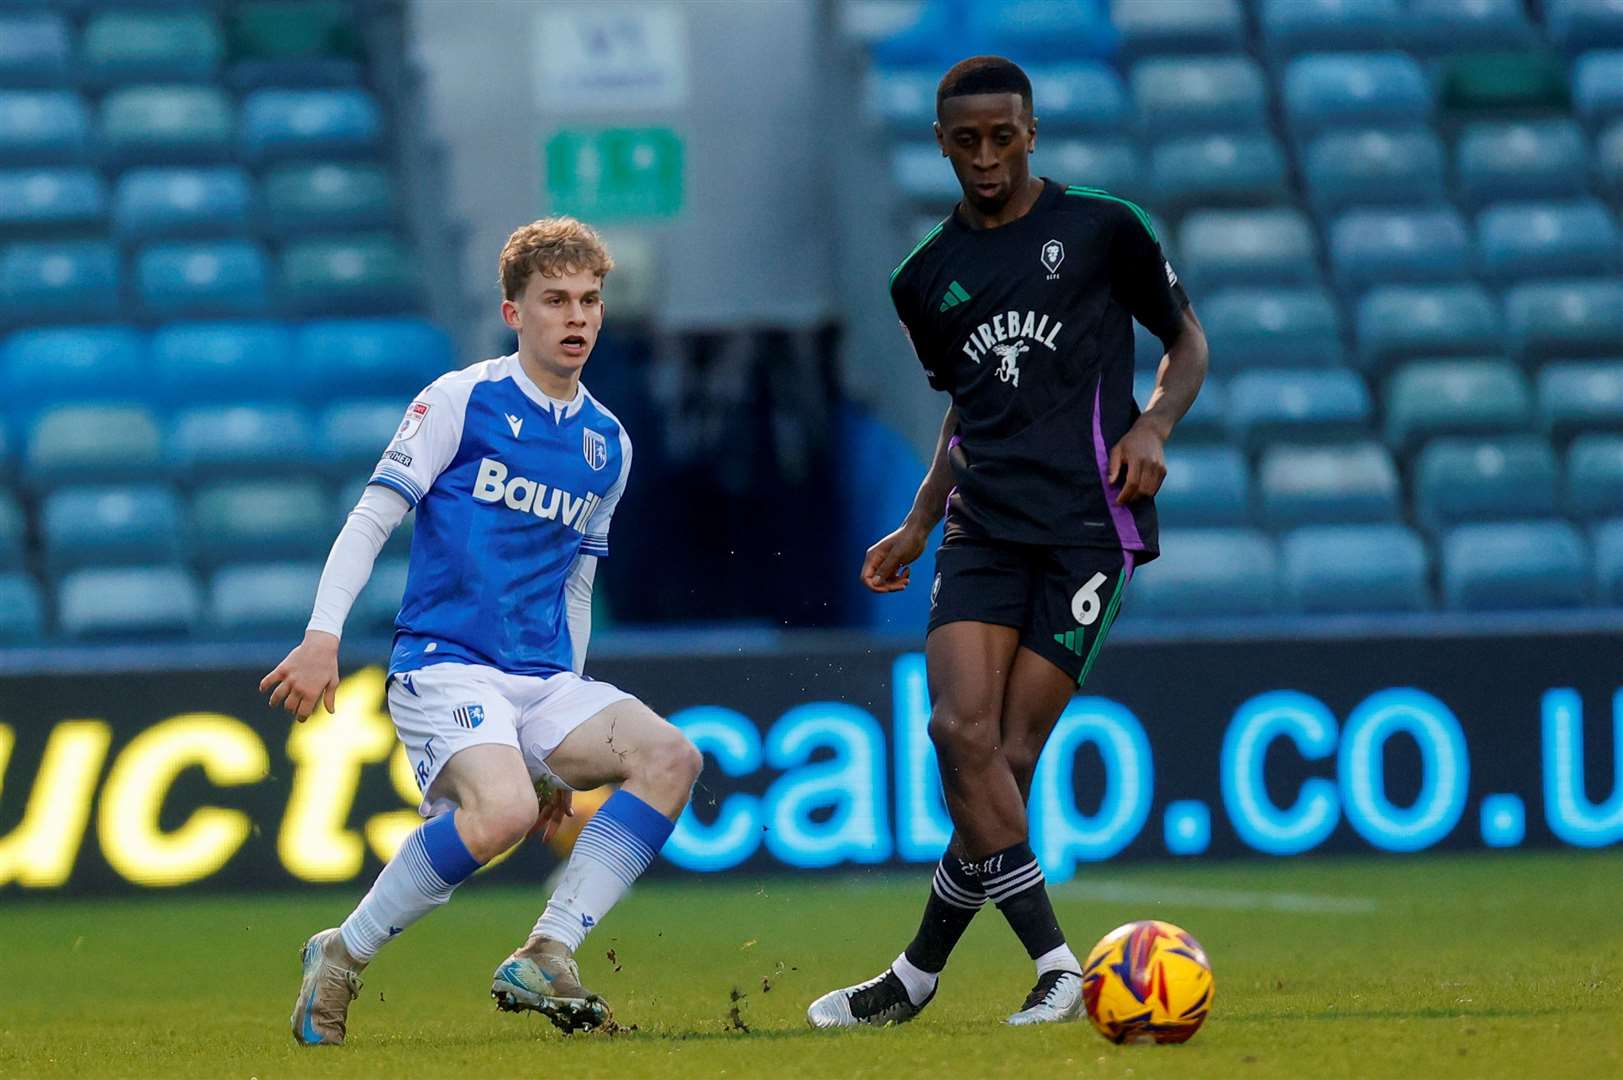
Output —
(595, 448)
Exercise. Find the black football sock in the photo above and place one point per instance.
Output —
(1014, 882)
(955, 897)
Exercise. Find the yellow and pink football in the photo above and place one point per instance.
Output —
(1147, 982)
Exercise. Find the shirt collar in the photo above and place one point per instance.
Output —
(560, 410)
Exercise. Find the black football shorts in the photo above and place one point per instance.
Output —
(1061, 599)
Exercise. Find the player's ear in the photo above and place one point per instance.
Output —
(510, 314)
(1031, 137)
(940, 140)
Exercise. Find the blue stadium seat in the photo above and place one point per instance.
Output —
(1458, 480)
(1207, 572)
(903, 99)
(1404, 321)
(1295, 26)
(1321, 485)
(13, 535)
(1382, 89)
(1355, 569)
(375, 609)
(50, 199)
(1195, 94)
(302, 197)
(1380, 247)
(59, 364)
(41, 281)
(1108, 163)
(920, 174)
(146, 46)
(239, 520)
(1584, 24)
(1204, 485)
(1079, 97)
(1597, 85)
(1565, 318)
(1036, 30)
(1526, 159)
(1207, 418)
(344, 275)
(1248, 247)
(178, 202)
(353, 434)
(1369, 168)
(153, 124)
(218, 277)
(1609, 160)
(43, 127)
(24, 605)
(1218, 169)
(216, 441)
(1595, 477)
(128, 602)
(1448, 26)
(262, 598)
(1273, 328)
(1477, 396)
(1575, 396)
(1608, 563)
(91, 444)
(279, 124)
(1152, 26)
(35, 49)
(1515, 566)
(1297, 406)
(197, 362)
(122, 526)
(342, 359)
(1547, 239)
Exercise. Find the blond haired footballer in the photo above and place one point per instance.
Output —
(514, 469)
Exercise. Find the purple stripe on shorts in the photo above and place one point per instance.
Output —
(1130, 563)
(1126, 527)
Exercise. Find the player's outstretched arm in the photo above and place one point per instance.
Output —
(886, 568)
(1138, 461)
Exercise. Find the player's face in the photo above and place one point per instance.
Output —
(987, 137)
(558, 318)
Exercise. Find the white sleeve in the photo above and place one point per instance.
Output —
(423, 446)
(578, 607)
(597, 526)
(349, 564)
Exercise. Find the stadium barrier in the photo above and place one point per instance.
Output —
(153, 779)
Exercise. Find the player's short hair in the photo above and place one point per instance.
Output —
(983, 75)
(552, 247)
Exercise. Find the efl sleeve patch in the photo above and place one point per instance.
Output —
(416, 412)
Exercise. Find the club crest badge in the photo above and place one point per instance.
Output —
(1052, 255)
(595, 448)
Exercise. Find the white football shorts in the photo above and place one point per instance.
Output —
(443, 708)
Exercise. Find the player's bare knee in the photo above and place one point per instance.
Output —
(1022, 759)
(497, 824)
(670, 762)
(960, 734)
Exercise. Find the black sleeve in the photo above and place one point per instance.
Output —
(1142, 279)
(916, 332)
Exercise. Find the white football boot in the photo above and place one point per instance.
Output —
(879, 1002)
(322, 1010)
(1056, 998)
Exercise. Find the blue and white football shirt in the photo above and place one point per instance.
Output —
(509, 489)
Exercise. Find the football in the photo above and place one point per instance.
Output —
(1147, 982)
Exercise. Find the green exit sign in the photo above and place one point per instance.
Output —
(609, 174)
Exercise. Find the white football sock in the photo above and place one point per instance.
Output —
(422, 875)
(612, 851)
(920, 984)
(1059, 958)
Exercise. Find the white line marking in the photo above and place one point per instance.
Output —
(1229, 899)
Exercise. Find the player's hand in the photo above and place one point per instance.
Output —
(886, 570)
(307, 675)
(1138, 463)
(554, 808)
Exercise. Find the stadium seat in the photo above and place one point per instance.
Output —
(1429, 398)
(1320, 485)
(128, 602)
(1584, 24)
(1296, 26)
(146, 46)
(1597, 85)
(1153, 26)
(234, 521)
(180, 202)
(1608, 563)
(1403, 321)
(36, 49)
(379, 603)
(198, 362)
(1200, 94)
(1247, 247)
(348, 275)
(1207, 418)
(1543, 159)
(1369, 168)
(24, 605)
(294, 29)
(262, 598)
(1442, 26)
(279, 124)
(1515, 565)
(301, 197)
(43, 127)
(353, 434)
(1207, 572)
(216, 277)
(1609, 160)
(1079, 97)
(1035, 30)
(1380, 247)
(1565, 318)
(1595, 477)
(212, 442)
(1204, 485)
(91, 443)
(59, 364)
(1547, 239)
(343, 359)
(1107, 163)
(160, 124)
(1493, 83)
(1575, 396)
(111, 526)
(1297, 406)
(903, 99)
(1272, 328)
(1380, 89)
(13, 534)
(50, 199)
(1355, 569)
(1458, 480)
(42, 281)
(1218, 169)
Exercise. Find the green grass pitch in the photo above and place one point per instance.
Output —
(1430, 967)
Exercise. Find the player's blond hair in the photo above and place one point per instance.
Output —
(552, 247)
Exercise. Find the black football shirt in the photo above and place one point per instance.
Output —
(1029, 326)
